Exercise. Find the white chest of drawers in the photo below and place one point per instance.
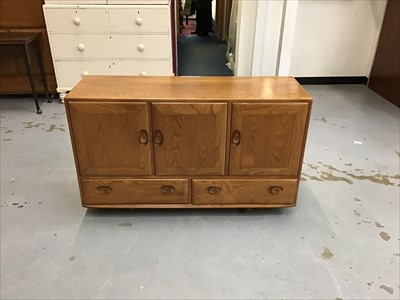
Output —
(108, 37)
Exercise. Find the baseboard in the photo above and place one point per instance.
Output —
(333, 80)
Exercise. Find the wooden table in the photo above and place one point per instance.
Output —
(26, 45)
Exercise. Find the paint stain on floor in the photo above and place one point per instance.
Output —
(379, 225)
(125, 224)
(72, 258)
(32, 124)
(357, 199)
(384, 236)
(327, 253)
(386, 288)
(54, 127)
(357, 213)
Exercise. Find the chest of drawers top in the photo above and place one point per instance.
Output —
(93, 2)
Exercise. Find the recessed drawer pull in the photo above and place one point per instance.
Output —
(140, 47)
(81, 47)
(104, 190)
(139, 21)
(236, 137)
(213, 190)
(275, 189)
(143, 137)
(77, 21)
(167, 189)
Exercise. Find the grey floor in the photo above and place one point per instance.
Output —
(340, 242)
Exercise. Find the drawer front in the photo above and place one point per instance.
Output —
(242, 191)
(69, 73)
(133, 191)
(140, 20)
(84, 46)
(76, 20)
(139, 1)
(75, 1)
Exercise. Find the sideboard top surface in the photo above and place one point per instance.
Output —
(210, 88)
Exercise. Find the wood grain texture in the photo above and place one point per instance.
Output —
(107, 138)
(131, 191)
(24, 16)
(193, 138)
(239, 191)
(211, 88)
(21, 13)
(271, 138)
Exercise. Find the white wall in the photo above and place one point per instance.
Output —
(335, 38)
(308, 37)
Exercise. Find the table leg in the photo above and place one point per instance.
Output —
(31, 81)
(42, 71)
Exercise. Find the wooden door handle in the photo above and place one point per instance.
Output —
(213, 190)
(104, 189)
(143, 137)
(236, 137)
(275, 189)
(167, 189)
(158, 137)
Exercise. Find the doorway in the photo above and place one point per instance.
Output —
(202, 54)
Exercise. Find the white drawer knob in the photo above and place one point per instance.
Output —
(139, 21)
(85, 73)
(143, 73)
(81, 47)
(77, 21)
(140, 47)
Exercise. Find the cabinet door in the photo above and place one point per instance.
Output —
(267, 139)
(111, 138)
(189, 139)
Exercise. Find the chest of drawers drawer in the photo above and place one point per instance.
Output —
(84, 46)
(82, 19)
(139, 19)
(70, 73)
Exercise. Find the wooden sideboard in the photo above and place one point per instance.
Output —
(24, 16)
(188, 141)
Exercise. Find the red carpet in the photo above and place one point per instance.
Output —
(188, 27)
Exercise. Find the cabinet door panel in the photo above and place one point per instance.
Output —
(111, 138)
(267, 139)
(192, 138)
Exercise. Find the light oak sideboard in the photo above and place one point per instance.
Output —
(187, 142)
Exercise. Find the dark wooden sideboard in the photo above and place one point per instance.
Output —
(24, 16)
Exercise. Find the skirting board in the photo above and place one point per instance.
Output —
(333, 80)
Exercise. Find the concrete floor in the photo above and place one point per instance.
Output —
(340, 242)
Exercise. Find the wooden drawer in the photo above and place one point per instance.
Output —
(84, 46)
(134, 191)
(243, 191)
(89, 19)
(139, 19)
(69, 73)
